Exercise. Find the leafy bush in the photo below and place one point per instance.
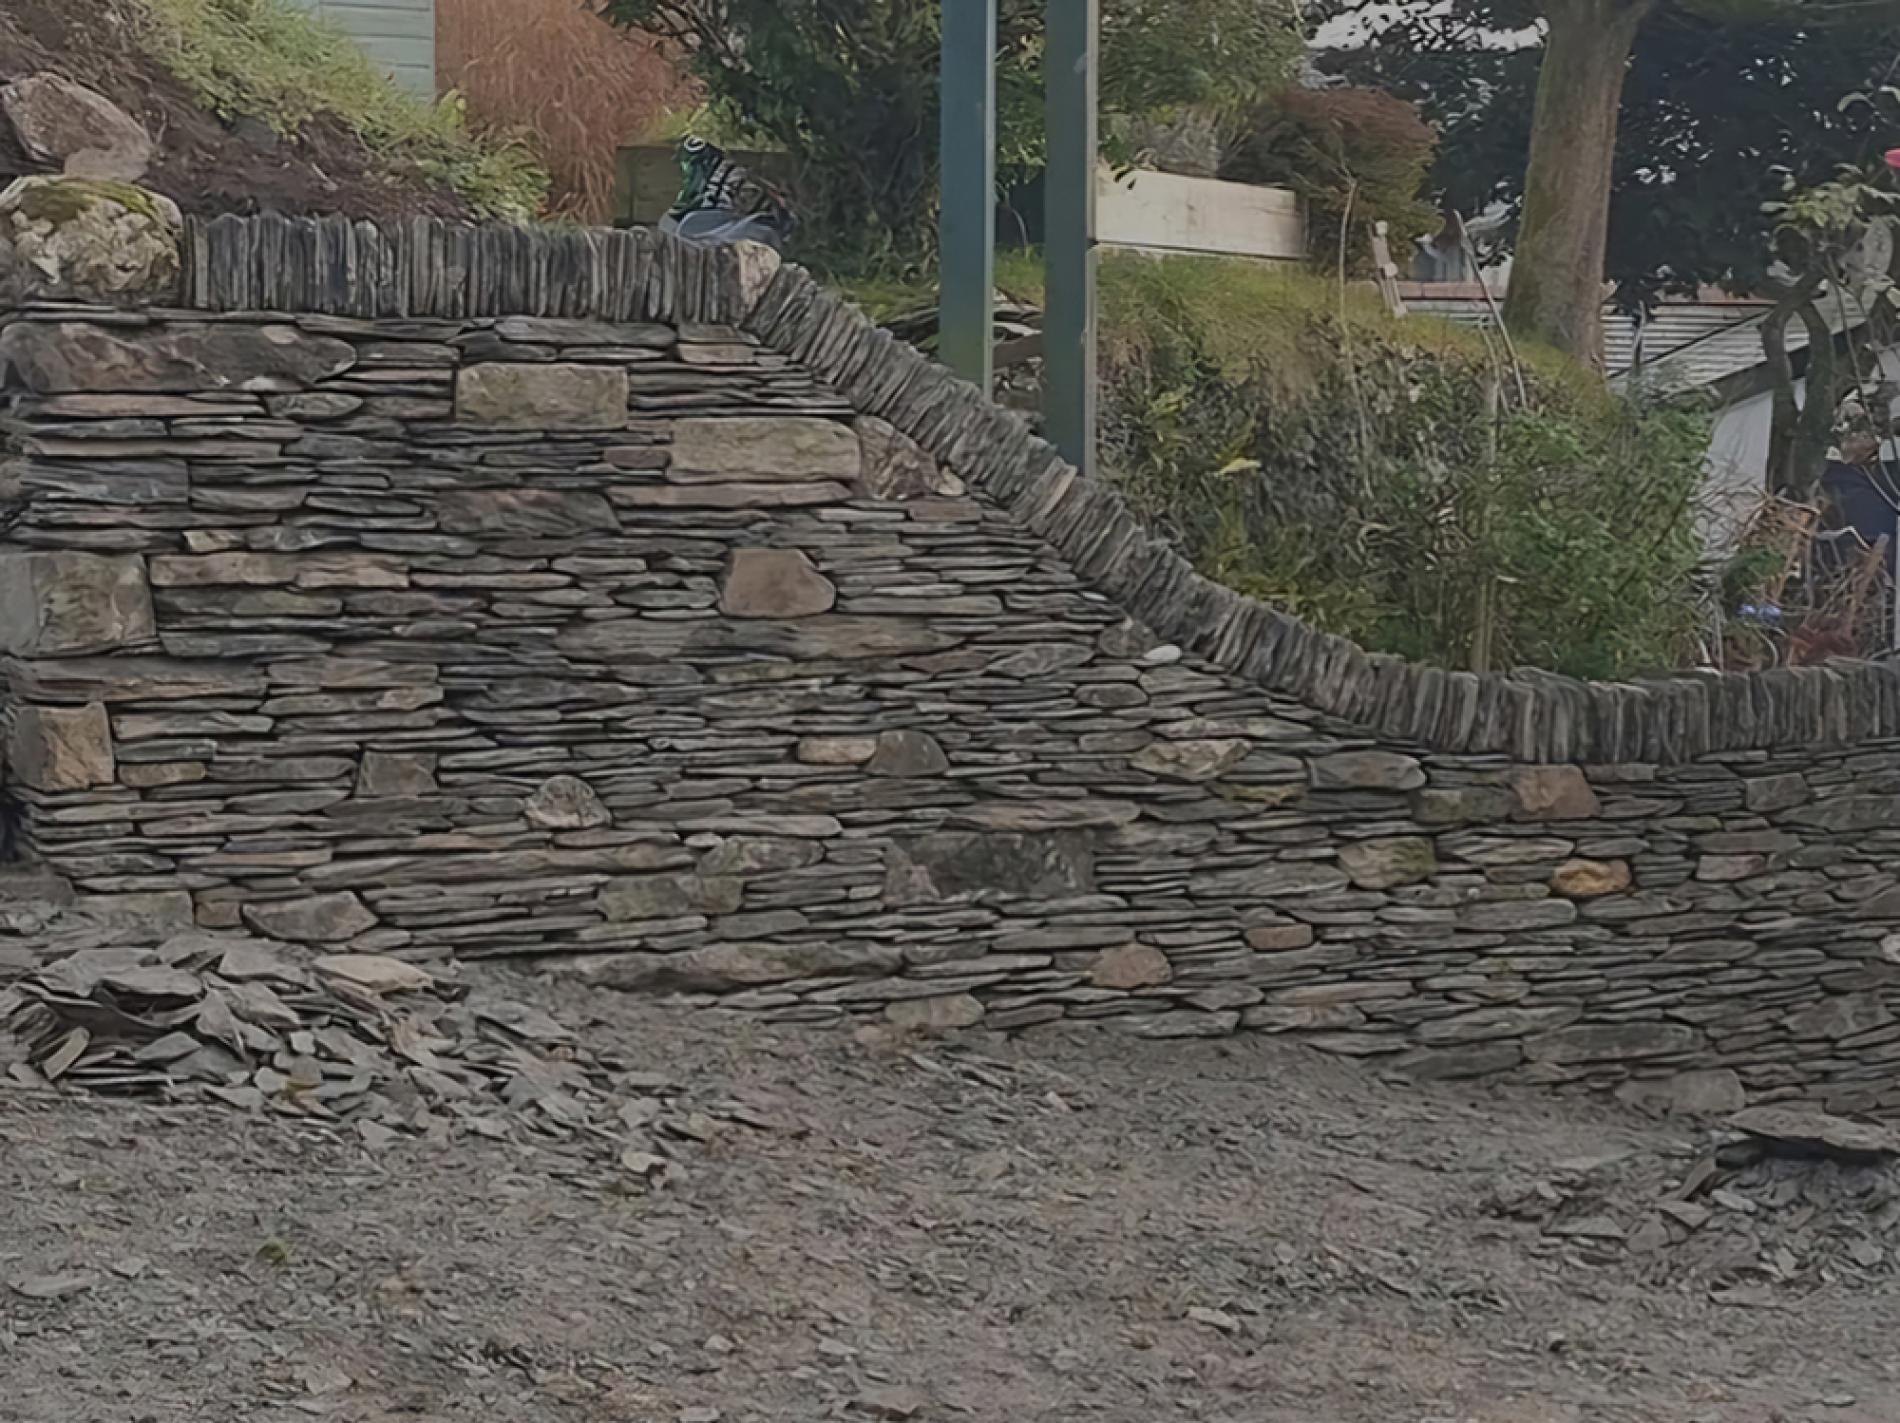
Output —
(1356, 151)
(1352, 469)
(264, 60)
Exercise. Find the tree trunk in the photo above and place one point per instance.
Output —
(1556, 291)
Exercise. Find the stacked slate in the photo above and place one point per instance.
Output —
(688, 633)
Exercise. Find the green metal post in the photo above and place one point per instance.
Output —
(1072, 57)
(967, 233)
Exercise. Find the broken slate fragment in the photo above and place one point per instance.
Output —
(1795, 1131)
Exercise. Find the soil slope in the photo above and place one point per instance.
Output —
(204, 165)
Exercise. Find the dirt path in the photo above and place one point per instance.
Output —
(1062, 1227)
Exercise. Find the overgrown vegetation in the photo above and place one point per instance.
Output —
(1372, 476)
(1356, 156)
(263, 60)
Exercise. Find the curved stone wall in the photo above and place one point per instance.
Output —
(585, 595)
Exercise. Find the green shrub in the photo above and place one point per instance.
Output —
(263, 59)
(1352, 469)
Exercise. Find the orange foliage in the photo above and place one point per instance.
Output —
(578, 86)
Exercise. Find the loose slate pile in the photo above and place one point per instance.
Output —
(1782, 1198)
(240, 1020)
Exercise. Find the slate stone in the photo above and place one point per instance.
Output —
(1193, 761)
(56, 357)
(566, 803)
(724, 968)
(977, 867)
(906, 754)
(896, 467)
(1367, 770)
(396, 773)
(774, 583)
(61, 748)
(1591, 879)
(525, 513)
(541, 396)
(76, 129)
(1708, 1092)
(61, 604)
(758, 448)
(1388, 863)
(319, 919)
(1131, 966)
(945, 1013)
(1554, 793)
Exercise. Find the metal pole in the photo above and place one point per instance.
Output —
(967, 229)
(1072, 55)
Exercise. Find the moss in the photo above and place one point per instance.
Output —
(63, 200)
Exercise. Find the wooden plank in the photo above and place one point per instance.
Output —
(1167, 212)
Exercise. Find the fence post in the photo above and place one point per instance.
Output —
(1072, 57)
(967, 226)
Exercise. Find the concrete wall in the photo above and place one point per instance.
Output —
(399, 35)
(727, 647)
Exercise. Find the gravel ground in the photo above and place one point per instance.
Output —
(1062, 1226)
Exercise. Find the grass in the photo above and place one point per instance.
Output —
(267, 61)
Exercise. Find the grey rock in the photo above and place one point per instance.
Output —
(1131, 966)
(60, 604)
(1388, 863)
(566, 803)
(1367, 770)
(55, 357)
(78, 129)
(774, 583)
(764, 448)
(320, 919)
(906, 754)
(979, 867)
(541, 396)
(61, 748)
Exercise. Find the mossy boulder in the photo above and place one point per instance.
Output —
(88, 239)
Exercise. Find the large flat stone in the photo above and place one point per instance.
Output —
(1367, 771)
(718, 968)
(525, 513)
(896, 467)
(61, 748)
(1389, 862)
(60, 357)
(648, 897)
(76, 129)
(1191, 760)
(1131, 966)
(973, 866)
(774, 583)
(1554, 793)
(1613, 1042)
(550, 395)
(71, 604)
(759, 448)
(321, 919)
(1273, 880)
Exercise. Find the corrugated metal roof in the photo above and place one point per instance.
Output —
(1685, 344)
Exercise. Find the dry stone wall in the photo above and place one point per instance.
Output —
(723, 646)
